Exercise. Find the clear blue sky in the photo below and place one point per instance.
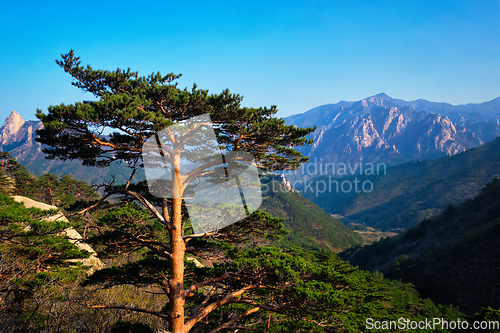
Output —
(293, 54)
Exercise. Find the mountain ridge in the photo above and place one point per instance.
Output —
(469, 107)
(383, 129)
(17, 137)
(378, 129)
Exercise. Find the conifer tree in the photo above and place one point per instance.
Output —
(7, 164)
(135, 108)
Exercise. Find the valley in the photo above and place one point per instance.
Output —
(433, 193)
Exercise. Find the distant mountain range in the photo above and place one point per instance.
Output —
(393, 131)
(375, 129)
(18, 138)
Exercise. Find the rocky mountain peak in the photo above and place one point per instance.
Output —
(380, 99)
(11, 126)
(366, 105)
(286, 184)
(14, 120)
(381, 96)
(382, 129)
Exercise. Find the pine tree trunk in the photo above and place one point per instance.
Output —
(176, 282)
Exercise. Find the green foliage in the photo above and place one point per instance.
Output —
(135, 107)
(32, 258)
(13, 211)
(330, 294)
(416, 190)
(438, 254)
(310, 226)
(123, 215)
(327, 292)
(61, 191)
(491, 316)
(7, 163)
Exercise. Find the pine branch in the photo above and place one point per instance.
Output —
(129, 308)
(228, 324)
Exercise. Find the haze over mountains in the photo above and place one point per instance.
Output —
(310, 226)
(374, 129)
(18, 138)
(393, 131)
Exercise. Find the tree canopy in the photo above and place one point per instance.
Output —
(134, 108)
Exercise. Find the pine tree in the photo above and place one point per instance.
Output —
(135, 108)
(16, 178)
(7, 163)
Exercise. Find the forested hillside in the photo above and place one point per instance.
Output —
(310, 227)
(453, 257)
(41, 292)
(413, 191)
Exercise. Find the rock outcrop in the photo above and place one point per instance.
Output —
(286, 184)
(10, 128)
(74, 237)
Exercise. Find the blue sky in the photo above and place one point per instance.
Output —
(293, 54)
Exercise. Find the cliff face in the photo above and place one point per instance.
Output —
(10, 128)
(382, 129)
(18, 138)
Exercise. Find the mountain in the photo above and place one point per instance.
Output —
(324, 114)
(489, 110)
(11, 127)
(383, 129)
(452, 257)
(483, 119)
(402, 196)
(18, 138)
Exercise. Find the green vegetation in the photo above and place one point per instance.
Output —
(411, 192)
(370, 234)
(324, 293)
(453, 258)
(62, 191)
(310, 226)
(32, 259)
(158, 274)
(328, 294)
